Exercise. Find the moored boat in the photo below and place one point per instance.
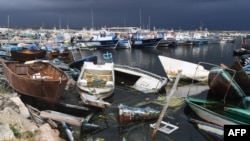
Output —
(145, 43)
(99, 42)
(41, 80)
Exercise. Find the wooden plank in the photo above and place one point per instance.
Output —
(167, 103)
(62, 117)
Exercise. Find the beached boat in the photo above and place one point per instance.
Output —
(130, 114)
(144, 81)
(190, 71)
(27, 54)
(64, 55)
(41, 80)
(97, 82)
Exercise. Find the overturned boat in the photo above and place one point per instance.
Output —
(190, 71)
(145, 81)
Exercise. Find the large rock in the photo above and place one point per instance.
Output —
(6, 132)
(8, 115)
(48, 134)
(23, 111)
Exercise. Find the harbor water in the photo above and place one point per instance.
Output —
(176, 114)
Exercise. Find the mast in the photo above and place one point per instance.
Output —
(8, 28)
(140, 18)
(60, 22)
(92, 19)
(149, 23)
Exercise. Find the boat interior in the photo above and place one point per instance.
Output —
(35, 71)
(99, 78)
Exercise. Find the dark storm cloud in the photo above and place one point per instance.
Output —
(176, 14)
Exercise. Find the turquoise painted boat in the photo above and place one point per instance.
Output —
(216, 112)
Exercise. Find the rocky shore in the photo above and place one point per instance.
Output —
(16, 123)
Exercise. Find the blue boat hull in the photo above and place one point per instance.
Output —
(145, 43)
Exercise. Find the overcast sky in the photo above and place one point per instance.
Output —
(168, 14)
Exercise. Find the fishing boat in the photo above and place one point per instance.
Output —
(143, 81)
(130, 114)
(145, 43)
(97, 82)
(98, 42)
(233, 81)
(26, 54)
(124, 44)
(223, 84)
(190, 71)
(64, 55)
(79, 63)
(241, 51)
(225, 103)
(216, 112)
(41, 80)
(241, 75)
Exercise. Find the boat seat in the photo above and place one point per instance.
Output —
(20, 70)
(103, 77)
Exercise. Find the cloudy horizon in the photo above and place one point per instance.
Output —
(166, 14)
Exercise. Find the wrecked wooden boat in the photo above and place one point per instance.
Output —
(64, 55)
(41, 80)
(230, 82)
(145, 81)
(96, 82)
(190, 71)
(131, 114)
(241, 75)
(222, 84)
(26, 54)
(219, 113)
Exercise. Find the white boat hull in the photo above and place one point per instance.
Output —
(190, 71)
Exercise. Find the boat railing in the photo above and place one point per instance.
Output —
(209, 66)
